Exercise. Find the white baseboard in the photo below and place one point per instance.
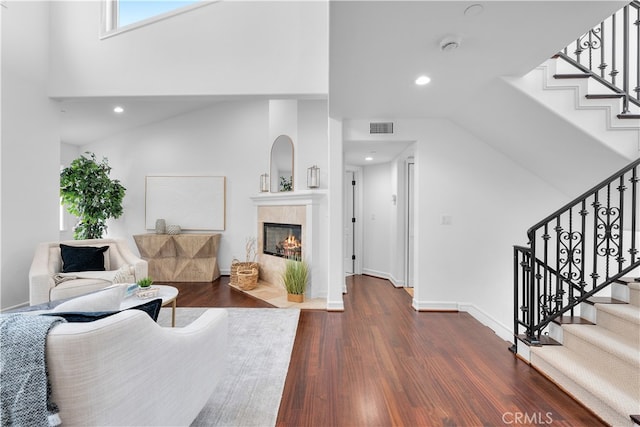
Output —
(435, 305)
(14, 307)
(335, 305)
(398, 283)
(501, 330)
(375, 273)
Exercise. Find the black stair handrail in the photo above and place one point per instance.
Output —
(584, 195)
(601, 45)
(576, 252)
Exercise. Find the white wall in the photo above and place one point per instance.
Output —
(227, 139)
(30, 149)
(225, 48)
(68, 153)
(491, 201)
(312, 135)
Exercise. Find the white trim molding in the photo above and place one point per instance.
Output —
(435, 305)
(501, 330)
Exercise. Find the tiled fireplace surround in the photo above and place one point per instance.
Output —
(287, 208)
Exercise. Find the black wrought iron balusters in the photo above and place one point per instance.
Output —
(615, 40)
(576, 252)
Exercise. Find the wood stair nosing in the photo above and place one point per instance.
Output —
(629, 116)
(571, 76)
(605, 96)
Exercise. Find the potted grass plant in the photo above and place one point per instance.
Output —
(145, 282)
(295, 277)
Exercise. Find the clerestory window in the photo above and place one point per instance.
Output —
(124, 15)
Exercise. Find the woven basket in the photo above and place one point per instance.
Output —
(247, 279)
(237, 265)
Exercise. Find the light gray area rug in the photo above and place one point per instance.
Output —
(259, 351)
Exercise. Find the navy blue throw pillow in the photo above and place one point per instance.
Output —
(82, 258)
(152, 308)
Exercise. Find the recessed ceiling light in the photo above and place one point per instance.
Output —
(474, 10)
(450, 43)
(118, 109)
(422, 80)
(368, 159)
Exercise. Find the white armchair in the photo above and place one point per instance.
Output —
(126, 370)
(47, 265)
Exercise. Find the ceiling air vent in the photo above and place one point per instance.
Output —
(381, 127)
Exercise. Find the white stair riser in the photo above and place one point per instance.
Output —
(622, 372)
(556, 332)
(634, 296)
(588, 312)
(620, 292)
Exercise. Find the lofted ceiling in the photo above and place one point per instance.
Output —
(91, 119)
(377, 49)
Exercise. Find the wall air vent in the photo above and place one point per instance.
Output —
(380, 127)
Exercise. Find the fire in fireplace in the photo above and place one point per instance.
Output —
(283, 240)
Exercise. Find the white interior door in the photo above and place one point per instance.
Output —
(349, 224)
(410, 223)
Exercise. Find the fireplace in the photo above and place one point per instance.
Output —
(282, 240)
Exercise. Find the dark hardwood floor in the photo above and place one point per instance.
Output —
(380, 363)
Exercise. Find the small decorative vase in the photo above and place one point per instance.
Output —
(161, 226)
(295, 297)
(173, 229)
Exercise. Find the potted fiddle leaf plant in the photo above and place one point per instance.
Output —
(294, 278)
(88, 193)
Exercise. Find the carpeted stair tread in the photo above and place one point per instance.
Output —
(615, 344)
(577, 369)
(627, 312)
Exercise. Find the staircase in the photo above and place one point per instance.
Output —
(577, 300)
(584, 103)
(597, 359)
(577, 282)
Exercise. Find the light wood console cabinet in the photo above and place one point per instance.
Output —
(180, 257)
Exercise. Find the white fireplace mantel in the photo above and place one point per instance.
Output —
(285, 198)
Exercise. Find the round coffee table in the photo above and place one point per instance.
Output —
(169, 295)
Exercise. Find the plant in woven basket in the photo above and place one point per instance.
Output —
(249, 264)
(295, 277)
(250, 248)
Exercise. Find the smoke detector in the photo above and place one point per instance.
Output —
(449, 43)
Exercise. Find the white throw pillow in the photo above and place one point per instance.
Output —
(124, 274)
(106, 300)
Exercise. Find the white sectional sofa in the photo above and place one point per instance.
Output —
(48, 283)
